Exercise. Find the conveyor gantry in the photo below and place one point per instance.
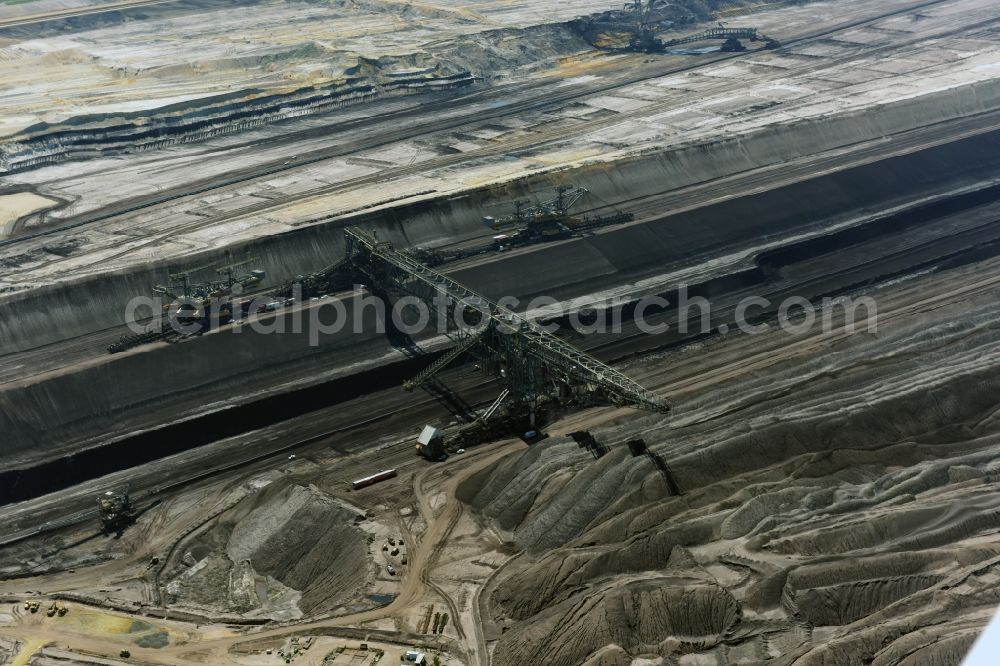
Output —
(725, 34)
(528, 361)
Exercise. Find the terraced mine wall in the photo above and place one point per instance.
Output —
(449, 64)
(132, 392)
(262, 379)
(105, 19)
(76, 307)
(95, 136)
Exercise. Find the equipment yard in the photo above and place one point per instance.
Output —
(499, 333)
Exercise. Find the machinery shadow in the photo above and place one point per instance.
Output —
(451, 400)
(638, 447)
(664, 469)
(586, 441)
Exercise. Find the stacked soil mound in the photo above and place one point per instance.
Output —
(637, 617)
(287, 547)
(839, 510)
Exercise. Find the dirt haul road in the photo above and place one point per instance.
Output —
(731, 357)
(214, 645)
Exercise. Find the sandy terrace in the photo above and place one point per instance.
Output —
(818, 79)
(280, 43)
(13, 207)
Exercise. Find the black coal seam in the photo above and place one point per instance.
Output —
(21, 484)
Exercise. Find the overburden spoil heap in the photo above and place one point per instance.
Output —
(836, 509)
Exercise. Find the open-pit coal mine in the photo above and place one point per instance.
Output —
(499, 333)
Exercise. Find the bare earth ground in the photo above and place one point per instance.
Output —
(837, 498)
(838, 506)
(14, 207)
(950, 46)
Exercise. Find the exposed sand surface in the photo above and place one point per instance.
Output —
(836, 510)
(14, 207)
(824, 491)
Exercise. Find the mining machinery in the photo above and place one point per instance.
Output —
(642, 23)
(549, 219)
(732, 38)
(535, 369)
(195, 304)
(643, 39)
(115, 511)
(183, 295)
(632, 28)
(528, 224)
(546, 218)
(235, 276)
(181, 287)
(335, 277)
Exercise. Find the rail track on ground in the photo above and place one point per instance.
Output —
(626, 346)
(259, 456)
(31, 19)
(411, 132)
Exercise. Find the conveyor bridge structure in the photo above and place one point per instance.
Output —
(531, 364)
(728, 35)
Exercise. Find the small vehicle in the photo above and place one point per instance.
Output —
(533, 436)
(291, 457)
(125, 654)
(460, 451)
(391, 569)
